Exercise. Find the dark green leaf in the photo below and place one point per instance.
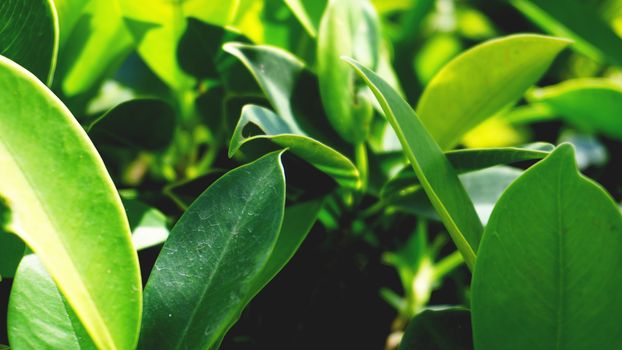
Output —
(143, 124)
(280, 132)
(230, 231)
(445, 329)
(29, 35)
(547, 273)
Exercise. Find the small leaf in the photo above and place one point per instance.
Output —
(149, 226)
(550, 258)
(350, 28)
(482, 81)
(29, 35)
(39, 317)
(445, 329)
(66, 208)
(591, 104)
(437, 176)
(231, 230)
(278, 131)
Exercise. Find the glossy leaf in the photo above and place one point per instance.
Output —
(444, 329)
(278, 131)
(96, 46)
(149, 226)
(29, 35)
(39, 317)
(143, 124)
(289, 87)
(507, 66)
(157, 31)
(467, 160)
(47, 162)
(550, 257)
(232, 228)
(576, 20)
(437, 176)
(591, 104)
(348, 28)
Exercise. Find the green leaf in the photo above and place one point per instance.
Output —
(143, 124)
(550, 258)
(576, 20)
(149, 226)
(444, 329)
(278, 131)
(471, 159)
(39, 317)
(97, 45)
(308, 12)
(231, 230)
(591, 104)
(12, 248)
(289, 87)
(157, 32)
(66, 209)
(437, 176)
(482, 81)
(348, 28)
(29, 35)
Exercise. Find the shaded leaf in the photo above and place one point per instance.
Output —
(444, 329)
(278, 131)
(29, 35)
(149, 226)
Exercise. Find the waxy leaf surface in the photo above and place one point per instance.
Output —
(550, 258)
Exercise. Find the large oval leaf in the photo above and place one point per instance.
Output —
(437, 176)
(39, 317)
(278, 131)
(348, 28)
(592, 104)
(66, 209)
(29, 35)
(483, 80)
(550, 257)
(208, 266)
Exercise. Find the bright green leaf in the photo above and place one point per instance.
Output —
(482, 81)
(231, 230)
(434, 171)
(39, 317)
(278, 131)
(29, 35)
(550, 258)
(66, 209)
(149, 226)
